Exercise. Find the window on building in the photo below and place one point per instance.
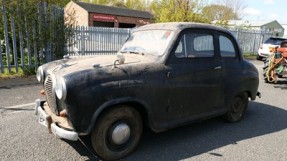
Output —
(126, 25)
(103, 24)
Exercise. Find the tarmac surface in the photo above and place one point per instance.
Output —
(261, 135)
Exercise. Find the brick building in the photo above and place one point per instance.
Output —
(87, 14)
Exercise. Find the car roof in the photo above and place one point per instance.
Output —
(277, 38)
(179, 26)
(274, 40)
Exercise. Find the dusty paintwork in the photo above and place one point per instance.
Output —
(167, 85)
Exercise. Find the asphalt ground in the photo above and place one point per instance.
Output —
(261, 135)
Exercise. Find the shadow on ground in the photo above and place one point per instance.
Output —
(281, 84)
(18, 82)
(188, 141)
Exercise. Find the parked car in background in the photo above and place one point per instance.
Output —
(268, 47)
(166, 75)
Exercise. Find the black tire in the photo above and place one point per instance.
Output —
(259, 57)
(236, 108)
(121, 117)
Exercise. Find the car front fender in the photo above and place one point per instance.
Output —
(139, 105)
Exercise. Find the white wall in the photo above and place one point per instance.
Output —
(285, 31)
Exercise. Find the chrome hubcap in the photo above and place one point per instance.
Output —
(121, 133)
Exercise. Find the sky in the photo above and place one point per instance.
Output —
(266, 10)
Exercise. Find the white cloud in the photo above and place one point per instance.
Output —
(273, 16)
(283, 20)
(251, 11)
(269, 1)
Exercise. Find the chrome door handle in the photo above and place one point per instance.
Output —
(168, 74)
(219, 67)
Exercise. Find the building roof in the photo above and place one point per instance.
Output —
(252, 23)
(114, 10)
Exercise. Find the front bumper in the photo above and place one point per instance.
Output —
(51, 122)
(266, 55)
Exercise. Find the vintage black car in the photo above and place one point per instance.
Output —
(164, 76)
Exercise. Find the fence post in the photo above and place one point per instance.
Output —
(14, 43)
(35, 44)
(1, 65)
(237, 33)
(254, 41)
(27, 35)
(82, 35)
(40, 21)
(21, 39)
(46, 43)
(6, 36)
(51, 42)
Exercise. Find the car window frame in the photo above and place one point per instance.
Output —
(235, 45)
(196, 31)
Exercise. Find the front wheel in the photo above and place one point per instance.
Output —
(117, 133)
(237, 108)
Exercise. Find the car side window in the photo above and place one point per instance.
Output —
(195, 45)
(226, 47)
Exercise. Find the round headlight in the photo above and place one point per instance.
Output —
(40, 74)
(60, 89)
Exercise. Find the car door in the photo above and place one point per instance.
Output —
(231, 65)
(195, 78)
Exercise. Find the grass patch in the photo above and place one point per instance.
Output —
(251, 56)
(22, 72)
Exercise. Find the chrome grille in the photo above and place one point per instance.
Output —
(50, 94)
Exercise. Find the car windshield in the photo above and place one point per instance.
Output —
(152, 42)
(274, 41)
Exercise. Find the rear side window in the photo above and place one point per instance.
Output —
(195, 45)
(226, 47)
(274, 41)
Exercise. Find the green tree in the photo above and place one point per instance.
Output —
(97, 1)
(177, 10)
(237, 6)
(219, 12)
(136, 4)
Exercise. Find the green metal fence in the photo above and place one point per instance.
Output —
(29, 34)
(97, 40)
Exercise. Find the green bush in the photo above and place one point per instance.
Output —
(249, 56)
(22, 72)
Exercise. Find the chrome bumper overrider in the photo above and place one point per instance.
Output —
(47, 121)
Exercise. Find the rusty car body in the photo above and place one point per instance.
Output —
(165, 75)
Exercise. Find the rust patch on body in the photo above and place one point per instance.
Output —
(61, 121)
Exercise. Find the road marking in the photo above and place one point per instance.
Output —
(14, 112)
(19, 106)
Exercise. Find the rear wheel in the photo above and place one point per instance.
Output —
(237, 108)
(259, 57)
(117, 133)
